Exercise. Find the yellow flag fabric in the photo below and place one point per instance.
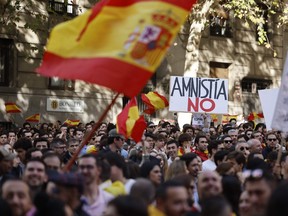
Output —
(117, 44)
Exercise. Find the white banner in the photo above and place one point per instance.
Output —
(203, 95)
(65, 105)
(280, 118)
(268, 98)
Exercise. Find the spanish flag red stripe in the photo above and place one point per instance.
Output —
(117, 44)
(129, 123)
(154, 101)
(12, 108)
(33, 118)
(105, 65)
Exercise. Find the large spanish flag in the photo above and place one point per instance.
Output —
(129, 123)
(12, 108)
(117, 44)
(154, 101)
(33, 118)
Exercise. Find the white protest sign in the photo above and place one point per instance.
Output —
(198, 119)
(203, 95)
(280, 118)
(268, 98)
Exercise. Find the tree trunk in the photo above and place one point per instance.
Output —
(193, 29)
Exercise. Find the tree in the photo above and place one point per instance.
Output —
(252, 12)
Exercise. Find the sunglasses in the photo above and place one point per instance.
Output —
(272, 140)
(227, 141)
(243, 148)
(253, 174)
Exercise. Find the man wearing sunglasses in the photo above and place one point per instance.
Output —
(271, 144)
(115, 142)
(243, 147)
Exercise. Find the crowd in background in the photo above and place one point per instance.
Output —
(231, 169)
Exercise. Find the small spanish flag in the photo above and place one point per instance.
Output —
(226, 118)
(12, 108)
(115, 43)
(252, 116)
(33, 118)
(70, 122)
(129, 123)
(154, 101)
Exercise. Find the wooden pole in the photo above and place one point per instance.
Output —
(90, 135)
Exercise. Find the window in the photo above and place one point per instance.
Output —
(6, 58)
(60, 84)
(64, 7)
(252, 85)
(219, 70)
(220, 24)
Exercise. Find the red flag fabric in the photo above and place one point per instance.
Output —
(70, 122)
(117, 44)
(252, 116)
(129, 123)
(154, 101)
(12, 108)
(33, 118)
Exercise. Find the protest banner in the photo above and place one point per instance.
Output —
(280, 117)
(203, 95)
(268, 99)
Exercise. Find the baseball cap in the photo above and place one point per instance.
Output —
(113, 133)
(7, 155)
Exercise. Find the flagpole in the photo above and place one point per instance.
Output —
(90, 135)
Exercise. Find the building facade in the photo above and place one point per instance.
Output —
(228, 49)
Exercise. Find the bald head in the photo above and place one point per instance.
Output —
(209, 184)
(17, 194)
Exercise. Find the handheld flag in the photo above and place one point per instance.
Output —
(226, 118)
(12, 108)
(116, 43)
(33, 118)
(154, 101)
(129, 123)
(70, 122)
(252, 116)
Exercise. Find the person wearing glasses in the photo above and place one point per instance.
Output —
(271, 144)
(243, 147)
(115, 143)
(227, 141)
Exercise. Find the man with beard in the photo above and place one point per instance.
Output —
(35, 175)
(172, 199)
(95, 199)
(201, 144)
(16, 193)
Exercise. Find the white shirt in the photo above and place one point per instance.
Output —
(208, 165)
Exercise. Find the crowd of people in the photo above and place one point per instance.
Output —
(232, 169)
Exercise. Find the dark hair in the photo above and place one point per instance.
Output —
(161, 192)
(197, 138)
(23, 143)
(238, 156)
(150, 135)
(215, 205)
(41, 139)
(277, 204)
(129, 206)
(28, 154)
(223, 168)
(187, 158)
(146, 168)
(220, 155)
(172, 142)
(184, 137)
(186, 127)
(243, 136)
(232, 190)
(36, 160)
(117, 160)
(213, 144)
(133, 170)
(5, 208)
(260, 125)
(56, 142)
